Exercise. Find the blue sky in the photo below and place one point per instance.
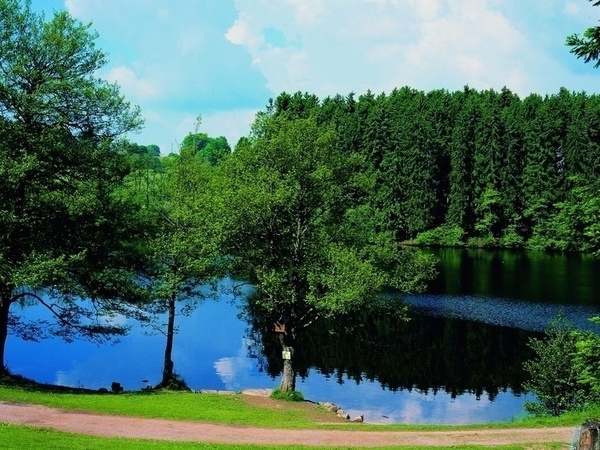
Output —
(225, 58)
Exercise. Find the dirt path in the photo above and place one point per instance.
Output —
(158, 429)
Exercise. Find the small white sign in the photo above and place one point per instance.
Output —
(286, 355)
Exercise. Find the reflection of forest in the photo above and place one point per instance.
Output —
(425, 353)
(529, 276)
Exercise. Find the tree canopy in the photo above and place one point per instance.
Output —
(478, 168)
(180, 241)
(62, 229)
(302, 231)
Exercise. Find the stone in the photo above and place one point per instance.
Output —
(341, 413)
(258, 392)
(359, 419)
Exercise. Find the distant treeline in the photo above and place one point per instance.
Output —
(481, 168)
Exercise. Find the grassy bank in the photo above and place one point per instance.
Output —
(230, 409)
(226, 409)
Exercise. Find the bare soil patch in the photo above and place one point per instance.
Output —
(308, 409)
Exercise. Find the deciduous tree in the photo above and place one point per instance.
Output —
(61, 228)
(300, 233)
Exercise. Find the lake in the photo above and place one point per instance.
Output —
(458, 360)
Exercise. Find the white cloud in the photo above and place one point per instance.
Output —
(308, 11)
(572, 8)
(132, 85)
(235, 371)
(426, 9)
(241, 33)
(75, 7)
(382, 44)
(232, 124)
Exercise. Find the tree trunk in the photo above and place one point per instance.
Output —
(587, 436)
(4, 307)
(168, 362)
(288, 378)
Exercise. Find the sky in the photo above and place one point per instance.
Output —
(224, 59)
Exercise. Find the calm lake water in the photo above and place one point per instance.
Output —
(459, 359)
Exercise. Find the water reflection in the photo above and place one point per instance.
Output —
(529, 276)
(503, 312)
(457, 361)
(427, 354)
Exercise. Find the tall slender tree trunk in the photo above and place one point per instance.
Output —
(5, 302)
(168, 361)
(288, 378)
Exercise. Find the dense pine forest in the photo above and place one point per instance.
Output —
(481, 168)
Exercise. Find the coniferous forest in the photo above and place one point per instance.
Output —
(481, 168)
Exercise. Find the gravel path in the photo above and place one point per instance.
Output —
(159, 429)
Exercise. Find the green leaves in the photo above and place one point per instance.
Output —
(302, 229)
(62, 228)
(587, 46)
(346, 283)
(553, 376)
(564, 373)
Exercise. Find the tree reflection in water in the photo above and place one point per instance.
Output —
(426, 354)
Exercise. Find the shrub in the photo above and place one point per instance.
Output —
(175, 383)
(587, 363)
(511, 238)
(484, 241)
(443, 236)
(552, 373)
(290, 396)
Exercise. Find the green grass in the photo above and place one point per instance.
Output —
(290, 396)
(226, 409)
(25, 438)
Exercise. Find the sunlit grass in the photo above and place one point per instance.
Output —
(228, 409)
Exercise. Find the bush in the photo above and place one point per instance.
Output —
(587, 363)
(485, 241)
(289, 396)
(511, 238)
(552, 373)
(443, 236)
(175, 383)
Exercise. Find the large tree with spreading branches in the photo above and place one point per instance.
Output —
(61, 226)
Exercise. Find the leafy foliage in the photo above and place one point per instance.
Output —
(301, 228)
(288, 396)
(587, 46)
(553, 374)
(511, 172)
(587, 363)
(443, 236)
(63, 231)
(181, 240)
